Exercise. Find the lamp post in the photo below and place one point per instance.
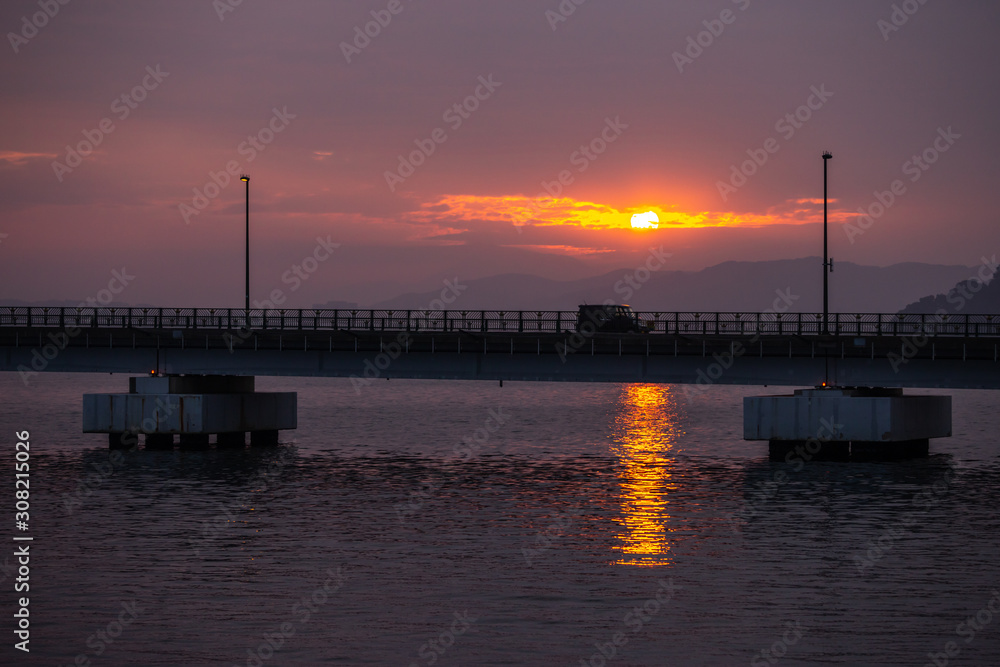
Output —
(246, 179)
(827, 262)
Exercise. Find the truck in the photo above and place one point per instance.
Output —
(610, 318)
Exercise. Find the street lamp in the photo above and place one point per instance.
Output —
(827, 262)
(246, 179)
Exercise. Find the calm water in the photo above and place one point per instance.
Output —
(455, 523)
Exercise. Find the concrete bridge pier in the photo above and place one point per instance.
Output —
(123, 440)
(159, 441)
(881, 451)
(232, 440)
(264, 438)
(192, 407)
(846, 423)
(193, 441)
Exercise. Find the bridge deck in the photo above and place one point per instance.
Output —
(471, 342)
(699, 358)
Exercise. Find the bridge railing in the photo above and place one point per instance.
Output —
(496, 321)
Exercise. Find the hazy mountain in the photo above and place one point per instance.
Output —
(730, 286)
(970, 296)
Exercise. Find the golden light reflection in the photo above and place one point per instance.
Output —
(647, 427)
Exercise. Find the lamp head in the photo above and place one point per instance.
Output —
(245, 178)
(827, 155)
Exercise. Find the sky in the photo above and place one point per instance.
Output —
(393, 144)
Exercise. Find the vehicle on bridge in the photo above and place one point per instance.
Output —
(608, 318)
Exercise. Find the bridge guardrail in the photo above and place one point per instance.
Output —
(496, 321)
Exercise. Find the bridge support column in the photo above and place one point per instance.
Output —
(263, 438)
(159, 441)
(846, 423)
(236, 440)
(122, 440)
(192, 407)
(194, 440)
(888, 451)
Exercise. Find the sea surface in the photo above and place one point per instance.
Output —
(464, 523)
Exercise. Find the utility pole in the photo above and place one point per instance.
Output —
(827, 262)
(246, 179)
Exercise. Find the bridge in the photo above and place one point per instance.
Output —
(856, 349)
(197, 365)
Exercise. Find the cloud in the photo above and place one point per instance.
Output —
(19, 159)
(571, 250)
(564, 211)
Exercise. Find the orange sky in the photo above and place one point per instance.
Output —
(484, 141)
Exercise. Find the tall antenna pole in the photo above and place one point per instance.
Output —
(246, 179)
(827, 264)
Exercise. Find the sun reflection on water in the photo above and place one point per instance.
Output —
(647, 426)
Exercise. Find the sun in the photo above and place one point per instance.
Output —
(647, 220)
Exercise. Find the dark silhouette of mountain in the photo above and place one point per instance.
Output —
(793, 285)
(978, 295)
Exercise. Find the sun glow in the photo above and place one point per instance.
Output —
(520, 210)
(647, 220)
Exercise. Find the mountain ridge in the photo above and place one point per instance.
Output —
(728, 286)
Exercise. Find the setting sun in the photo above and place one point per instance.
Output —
(647, 220)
